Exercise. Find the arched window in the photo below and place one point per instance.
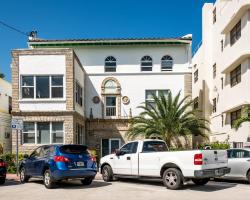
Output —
(167, 63)
(110, 87)
(110, 64)
(146, 63)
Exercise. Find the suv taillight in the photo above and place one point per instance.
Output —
(198, 159)
(2, 164)
(60, 159)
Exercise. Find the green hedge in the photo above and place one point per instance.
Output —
(216, 145)
(10, 159)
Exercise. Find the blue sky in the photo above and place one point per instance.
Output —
(61, 19)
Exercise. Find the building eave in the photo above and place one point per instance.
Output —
(108, 42)
(236, 63)
(236, 107)
(235, 18)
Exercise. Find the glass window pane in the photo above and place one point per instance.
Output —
(27, 92)
(28, 127)
(43, 133)
(146, 69)
(163, 92)
(114, 145)
(57, 80)
(27, 81)
(42, 87)
(57, 126)
(57, 132)
(57, 92)
(29, 138)
(150, 93)
(105, 147)
(110, 101)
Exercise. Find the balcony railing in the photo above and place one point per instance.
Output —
(110, 111)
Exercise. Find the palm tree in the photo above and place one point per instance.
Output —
(2, 75)
(169, 120)
(244, 118)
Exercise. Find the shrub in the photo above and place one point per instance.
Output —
(10, 159)
(215, 145)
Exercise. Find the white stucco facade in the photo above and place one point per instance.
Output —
(38, 65)
(5, 117)
(128, 73)
(216, 60)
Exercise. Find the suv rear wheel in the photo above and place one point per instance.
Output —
(87, 181)
(2, 181)
(200, 181)
(47, 179)
(23, 177)
(173, 178)
(107, 173)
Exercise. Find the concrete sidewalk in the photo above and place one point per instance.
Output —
(14, 177)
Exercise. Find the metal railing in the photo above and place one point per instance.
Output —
(110, 111)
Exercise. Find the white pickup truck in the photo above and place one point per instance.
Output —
(151, 159)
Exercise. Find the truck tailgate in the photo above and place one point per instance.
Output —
(214, 159)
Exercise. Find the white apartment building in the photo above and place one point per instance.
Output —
(5, 115)
(85, 91)
(221, 69)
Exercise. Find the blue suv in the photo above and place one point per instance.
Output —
(59, 162)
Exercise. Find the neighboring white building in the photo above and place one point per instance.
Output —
(221, 69)
(115, 76)
(5, 115)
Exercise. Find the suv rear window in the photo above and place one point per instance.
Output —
(74, 149)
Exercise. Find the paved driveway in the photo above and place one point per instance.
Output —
(122, 190)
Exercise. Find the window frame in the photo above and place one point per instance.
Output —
(50, 133)
(28, 132)
(235, 76)
(234, 115)
(106, 107)
(214, 70)
(196, 103)
(214, 109)
(78, 93)
(108, 67)
(167, 58)
(34, 77)
(235, 33)
(146, 59)
(214, 15)
(196, 75)
(27, 86)
(157, 93)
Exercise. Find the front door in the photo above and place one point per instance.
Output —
(110, 145)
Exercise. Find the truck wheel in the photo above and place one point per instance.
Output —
(47, 179)
(107, 173)
(23, 177)
(201, 181)
(87, 181)
(173, 178)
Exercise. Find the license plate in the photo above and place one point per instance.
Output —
(218, 172)
(80, 164)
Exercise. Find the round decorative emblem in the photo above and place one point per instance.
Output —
(125, 100)
(96, 99)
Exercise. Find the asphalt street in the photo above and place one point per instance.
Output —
(122, 190)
